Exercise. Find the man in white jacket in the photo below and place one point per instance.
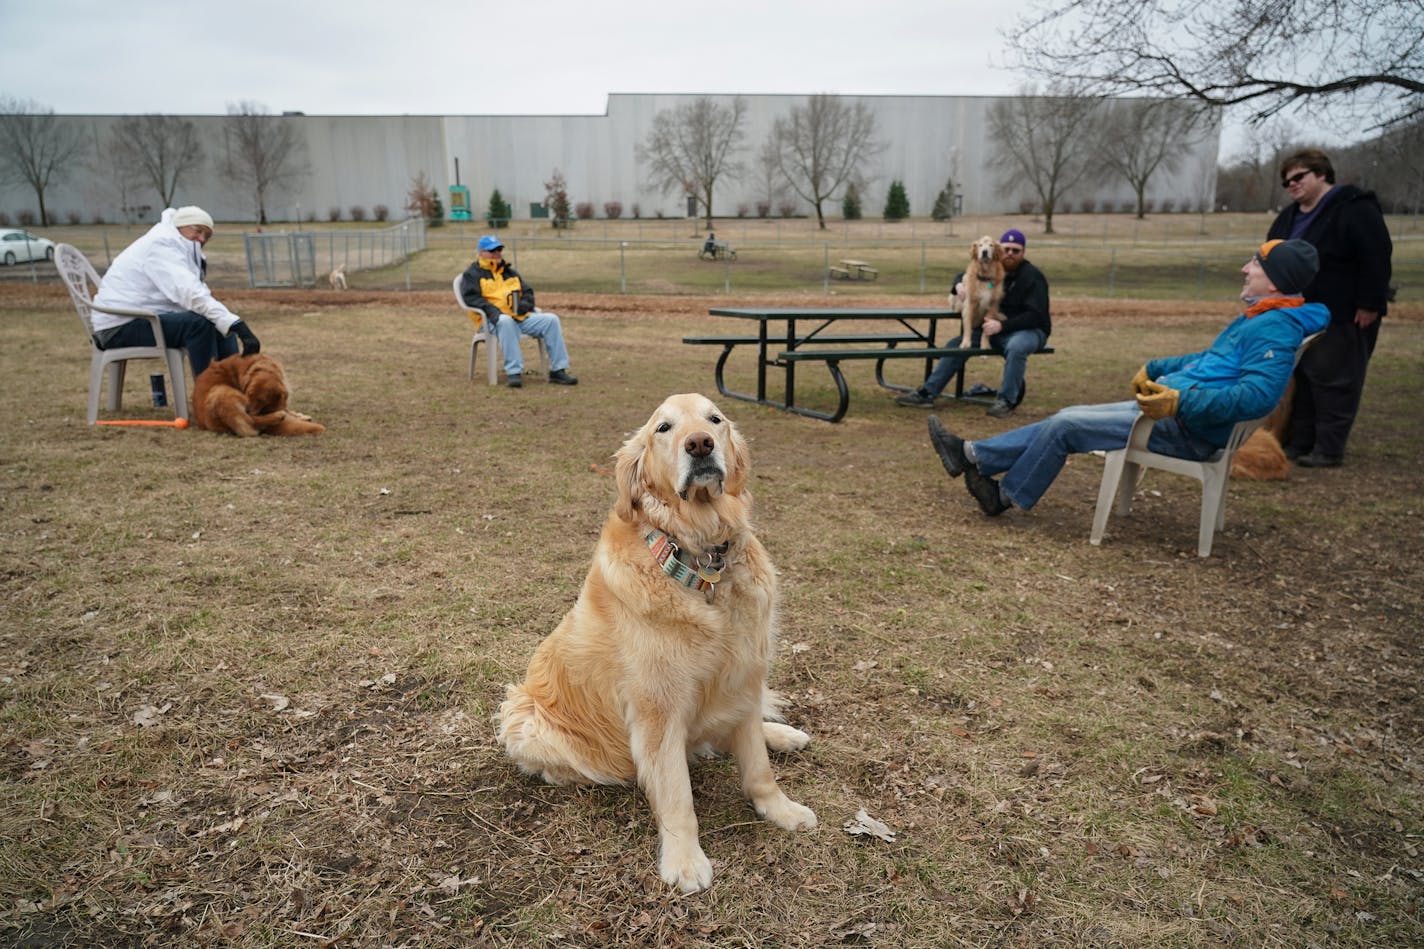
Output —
(162, 272)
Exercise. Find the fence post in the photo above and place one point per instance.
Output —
(1112, 271)
(405, 251)
(922, 266)
(622, 268)
(825, 267)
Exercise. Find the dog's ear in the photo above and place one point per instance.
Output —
(739, 462)
(628, 475)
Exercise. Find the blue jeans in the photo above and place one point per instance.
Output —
(1031, 457)
(540, 325)
(182, 330)
(1015, 347)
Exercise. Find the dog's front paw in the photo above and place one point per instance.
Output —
(786, 813)
(686, 868)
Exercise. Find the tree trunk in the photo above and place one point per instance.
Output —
(819, 216)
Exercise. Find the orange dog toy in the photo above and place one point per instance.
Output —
(152, 423)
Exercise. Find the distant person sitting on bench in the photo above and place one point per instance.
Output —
(710, 248)
(1023, 330)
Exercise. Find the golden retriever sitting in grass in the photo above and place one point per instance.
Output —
(983, 288)
(665, 654)
(247, 395)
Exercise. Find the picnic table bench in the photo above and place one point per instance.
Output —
(853, 270)
(785, 350)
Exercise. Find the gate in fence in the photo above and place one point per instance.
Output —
(296, 259)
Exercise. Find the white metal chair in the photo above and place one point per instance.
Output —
(79, 276)
(483, 335)
(1125, 467)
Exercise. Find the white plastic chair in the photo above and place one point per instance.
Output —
(79, 276)
(483, 335)
(1125, 467)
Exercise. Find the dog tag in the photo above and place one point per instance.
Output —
(709, 573)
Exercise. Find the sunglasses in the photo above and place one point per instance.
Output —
(1294, 179)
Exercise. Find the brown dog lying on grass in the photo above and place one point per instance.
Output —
(247, 395)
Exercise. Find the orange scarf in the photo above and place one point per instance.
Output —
(1273, 303)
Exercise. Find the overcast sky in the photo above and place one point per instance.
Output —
(453, 57)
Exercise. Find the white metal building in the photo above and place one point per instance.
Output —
(365, 161)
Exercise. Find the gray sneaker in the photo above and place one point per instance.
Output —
(1000, 409)
(919, 399)
(515, 381)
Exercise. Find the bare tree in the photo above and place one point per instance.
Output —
(35, 147)
(1229, 52)
(1144, 136)
(1251, 182)
(771, 184)
(1048, 143)
(158, 150)
(690, 147)
(263, 153)
(822, 145)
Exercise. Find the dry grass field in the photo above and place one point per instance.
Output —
(245, 685)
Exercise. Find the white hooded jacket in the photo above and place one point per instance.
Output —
(161, 272)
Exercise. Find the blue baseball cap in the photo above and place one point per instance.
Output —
(1013, 236)
(490, 242)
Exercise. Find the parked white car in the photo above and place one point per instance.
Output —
(19, 247)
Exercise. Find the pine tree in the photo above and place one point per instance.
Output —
(897, 205)
(944, 204)
(499, 211)
(850, 204)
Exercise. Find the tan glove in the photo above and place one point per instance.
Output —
(1141, 381)
(1158, 401)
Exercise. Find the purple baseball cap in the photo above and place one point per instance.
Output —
(1013, 236)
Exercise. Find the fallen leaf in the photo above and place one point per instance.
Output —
(279, 702)
(148, 715)
(865, 824)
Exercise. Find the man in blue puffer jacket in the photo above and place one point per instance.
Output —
(1196, 399)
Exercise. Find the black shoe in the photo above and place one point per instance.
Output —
(514, 381)
(1319, 460)
(1000, 409)
(985, 490)
(561, 377)
(918, 399)
(949, 447)
(1292, 452)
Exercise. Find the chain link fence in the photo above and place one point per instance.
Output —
(300, 258)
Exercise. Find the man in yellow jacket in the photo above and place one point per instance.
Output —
(495, 289)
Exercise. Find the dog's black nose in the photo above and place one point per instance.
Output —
(699, 445)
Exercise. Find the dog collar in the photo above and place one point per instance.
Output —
(695, 576)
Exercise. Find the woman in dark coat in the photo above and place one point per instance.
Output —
(1347, 229)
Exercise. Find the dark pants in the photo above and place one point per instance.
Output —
(184, 330)
(1328, 384)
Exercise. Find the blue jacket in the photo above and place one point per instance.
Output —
(1244, 373)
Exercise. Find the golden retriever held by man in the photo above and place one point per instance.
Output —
(666, 652)
(983, 287)
(247, 395)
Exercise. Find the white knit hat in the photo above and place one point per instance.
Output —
(192, 214)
